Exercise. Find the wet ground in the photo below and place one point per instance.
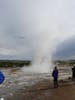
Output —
(17, 80)
(33, 86)
(44, 91)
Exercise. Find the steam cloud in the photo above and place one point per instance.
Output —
(33, 28)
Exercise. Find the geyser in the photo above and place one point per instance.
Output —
(42, 61)
(34, 27)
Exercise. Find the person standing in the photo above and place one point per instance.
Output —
(55, 77)
(2, 77)
(73, 73)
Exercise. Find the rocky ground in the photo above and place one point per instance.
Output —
(44, 91)
(23, 86)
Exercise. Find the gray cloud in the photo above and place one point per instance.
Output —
(66, 50)
(28, 26)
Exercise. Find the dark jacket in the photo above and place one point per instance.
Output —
(55, 73)
(73, 72)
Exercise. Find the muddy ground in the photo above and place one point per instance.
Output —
(44, 91)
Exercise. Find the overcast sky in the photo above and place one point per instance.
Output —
(24, 24)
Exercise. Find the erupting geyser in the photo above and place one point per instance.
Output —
(34, 27)
(42, 62)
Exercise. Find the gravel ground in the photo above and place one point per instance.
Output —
(44, 91)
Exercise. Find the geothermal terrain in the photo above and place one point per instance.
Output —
(32, 86)
(22, 85)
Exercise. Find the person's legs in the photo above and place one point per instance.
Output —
(73, 80)
(55, 83)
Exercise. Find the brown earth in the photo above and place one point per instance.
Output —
(44, 91)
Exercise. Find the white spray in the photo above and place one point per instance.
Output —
(40, 23)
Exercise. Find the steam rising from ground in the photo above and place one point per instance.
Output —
(34, 28)
(42, 62)
(46, 23)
